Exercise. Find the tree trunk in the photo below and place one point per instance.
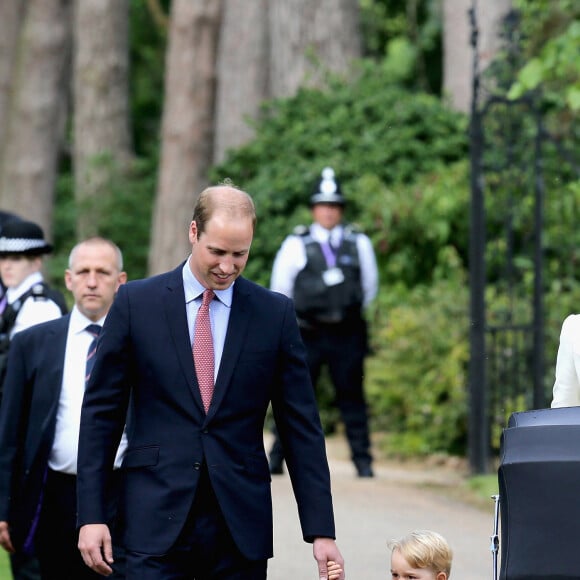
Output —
(102, 141)
(187, 126)
(308, 39)
(491, 14)
(242, 72)
(29, 163)
(457, 50)
(11, 14)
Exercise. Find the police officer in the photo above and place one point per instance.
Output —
(329, 270)
(27, 301)
(28, 298)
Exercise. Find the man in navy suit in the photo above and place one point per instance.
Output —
(196, 499)
(40, 418)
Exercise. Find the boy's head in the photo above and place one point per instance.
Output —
(423, 555)
(22, 245)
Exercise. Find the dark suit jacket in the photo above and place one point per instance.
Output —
(144, 357)
(27, 420)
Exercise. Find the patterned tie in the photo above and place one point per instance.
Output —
(203, 356)
(94, 330)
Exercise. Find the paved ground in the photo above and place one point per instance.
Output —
(369, 512)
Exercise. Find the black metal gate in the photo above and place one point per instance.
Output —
(508, 137)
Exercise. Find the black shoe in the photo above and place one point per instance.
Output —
(364, 469)
(276, 466)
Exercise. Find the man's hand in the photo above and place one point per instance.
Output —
(325, 551)
(5, 540)
(96, 548)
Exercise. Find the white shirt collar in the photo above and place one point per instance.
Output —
(323, 235)
(194, 289)
(78, 321)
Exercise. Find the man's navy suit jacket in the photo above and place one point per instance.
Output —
(144, 362)
(27, 420)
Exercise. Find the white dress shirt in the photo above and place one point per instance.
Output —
(291, 260)
(566, 392)
(63, 456)
(219, 312)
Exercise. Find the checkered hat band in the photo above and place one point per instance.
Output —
(9, 245)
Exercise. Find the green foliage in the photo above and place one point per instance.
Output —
(326, 398)
(372, 132)
(416, 381)
(417, 377)
(147, 53)
(410, 225)
(392, 26)
(551, 40)
(123, 215)
(557, 61)
(484, 486)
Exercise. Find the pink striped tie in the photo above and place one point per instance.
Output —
(203, 356)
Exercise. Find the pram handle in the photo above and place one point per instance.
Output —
(494, 546)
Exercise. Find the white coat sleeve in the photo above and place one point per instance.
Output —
(289, 261)
(566, 392)
(369, 270)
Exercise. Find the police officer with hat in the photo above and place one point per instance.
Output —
(27, 300)
(329, 269)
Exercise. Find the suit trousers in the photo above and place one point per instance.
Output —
(56, 538)
(205, 549)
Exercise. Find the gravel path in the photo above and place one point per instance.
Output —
(369, 512)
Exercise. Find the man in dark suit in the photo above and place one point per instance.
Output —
(196, 498)
(40, 417)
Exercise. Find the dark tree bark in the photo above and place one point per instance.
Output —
(102, 141)
(187, 126)
(308, 38)
(457, 51)
(35, 119)
(11, 14)
(242, 72)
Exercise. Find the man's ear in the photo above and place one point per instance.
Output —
(441, 576)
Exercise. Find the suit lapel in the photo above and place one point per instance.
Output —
(54, 352)
(44, 404)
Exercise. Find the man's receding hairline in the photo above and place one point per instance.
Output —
(97, 241)
(228, 200)
(228, 196)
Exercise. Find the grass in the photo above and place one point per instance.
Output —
(5, 573)
(482, 487)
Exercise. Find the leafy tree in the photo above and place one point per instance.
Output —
(390, 26)
(551, 31)
(373, 132)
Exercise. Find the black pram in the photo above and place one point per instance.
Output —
(539, 496)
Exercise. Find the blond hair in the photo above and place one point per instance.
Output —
(425, 549)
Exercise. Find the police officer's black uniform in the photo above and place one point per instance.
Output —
(329, 306)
